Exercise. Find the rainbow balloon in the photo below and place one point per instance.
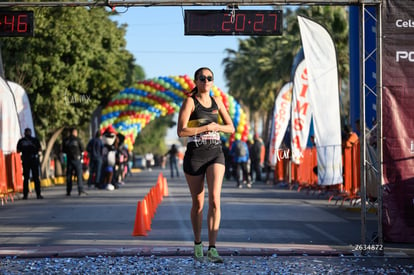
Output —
(133, 108)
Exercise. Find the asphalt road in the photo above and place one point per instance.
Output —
(263, 220)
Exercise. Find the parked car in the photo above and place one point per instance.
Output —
(140, 162)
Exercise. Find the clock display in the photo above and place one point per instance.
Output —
(16, 23)
(233, 22)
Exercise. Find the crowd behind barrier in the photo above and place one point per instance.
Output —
(305, 175)
(300, 176)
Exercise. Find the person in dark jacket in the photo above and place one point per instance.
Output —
(94, 149)
(172, 153)
(73, 149)
(29, 147)
(256, 158)
(240, 152)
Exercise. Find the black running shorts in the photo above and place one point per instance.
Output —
(198, 157)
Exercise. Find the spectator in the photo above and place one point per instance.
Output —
(240, 152)
(256, 158)
(125, 162)
(29, 147)
(120, 165)
(108, 160)
(163, 161)
(73, 149)
(172, 153)
(228, 160)
(149, 159)
(351, 137)
(372, 136)
(130, 163)
(94, 149)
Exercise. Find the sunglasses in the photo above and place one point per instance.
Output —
(203, 78)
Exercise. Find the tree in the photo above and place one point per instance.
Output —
(151, 138)
(261, 65)
(76, 61)
(258, 69)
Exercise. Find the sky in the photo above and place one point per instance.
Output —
(155, 36)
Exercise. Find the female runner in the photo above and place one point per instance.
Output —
(204, 158)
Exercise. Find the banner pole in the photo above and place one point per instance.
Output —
(362, 127)
(379, 127)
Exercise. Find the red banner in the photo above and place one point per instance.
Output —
(398, 120)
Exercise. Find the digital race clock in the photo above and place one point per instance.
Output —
(16, 23)
(233, 22)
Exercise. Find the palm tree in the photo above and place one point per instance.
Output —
(257, 71)
(262, 65)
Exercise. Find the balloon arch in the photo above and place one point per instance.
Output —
(133, 108)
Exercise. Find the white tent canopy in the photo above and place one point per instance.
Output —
(15, 115)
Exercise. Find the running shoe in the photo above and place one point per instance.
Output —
(213, 256)
(198, 252)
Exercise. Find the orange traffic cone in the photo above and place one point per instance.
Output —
(165, 188)
(147, 216)
(139, 226)
(154, 200)
(160, 177)
(156, 194)
(161, 186)
(151, 204)
(159, 191)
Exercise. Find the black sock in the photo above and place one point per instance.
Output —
(211, 246)
(196, 243)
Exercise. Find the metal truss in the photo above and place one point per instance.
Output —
(154, 3)
(366, 203)
(371, 164)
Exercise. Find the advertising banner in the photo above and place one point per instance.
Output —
(321, 64)
(398, 119)
(301, 112)
(281, 117)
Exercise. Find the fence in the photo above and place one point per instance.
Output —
(11, 176)
(304, 175)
